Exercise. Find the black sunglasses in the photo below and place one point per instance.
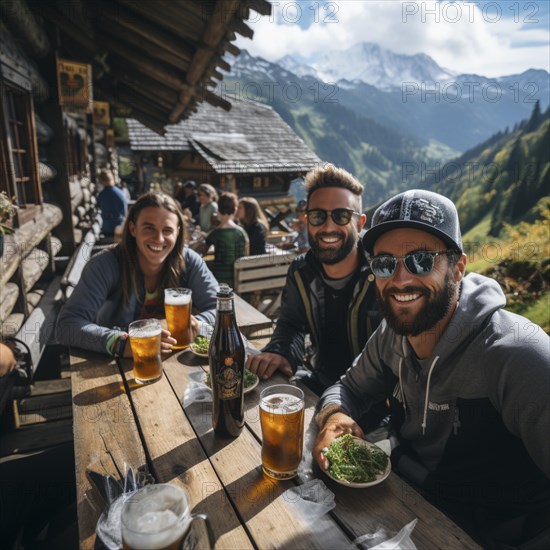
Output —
(417, 263)
(340, 216)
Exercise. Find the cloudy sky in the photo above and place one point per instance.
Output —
(487, 37)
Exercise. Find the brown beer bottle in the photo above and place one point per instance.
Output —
(226, 357)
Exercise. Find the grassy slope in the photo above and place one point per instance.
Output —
(524, 243)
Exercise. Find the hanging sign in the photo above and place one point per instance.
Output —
(74, 82)
(101, 115)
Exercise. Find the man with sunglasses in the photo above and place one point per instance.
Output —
(468, 382)
(328, 292)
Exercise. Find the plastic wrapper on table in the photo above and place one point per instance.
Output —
(114, 493)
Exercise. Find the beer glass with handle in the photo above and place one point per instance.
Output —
(145, 342)
(177, 308)
(282, 421)
(158, 517)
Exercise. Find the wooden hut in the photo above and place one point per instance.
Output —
(250, 150)
(152, 61)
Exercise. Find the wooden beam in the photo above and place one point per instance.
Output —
(66, 26)
(141, 46)
(143, 64)
(134, 78)
(22, 24)
(167, 15)
(239, 26)
(157, 125)
(121, 17)
(261, 6)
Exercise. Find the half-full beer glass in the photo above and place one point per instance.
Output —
(145, 342)
(157, 517)
(282, 421)
(177, 308)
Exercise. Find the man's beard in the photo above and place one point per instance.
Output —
(434, 310)
(331, 256)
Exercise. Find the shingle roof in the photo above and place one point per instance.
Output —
(250, 138)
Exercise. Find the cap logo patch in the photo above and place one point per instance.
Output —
(422, 210)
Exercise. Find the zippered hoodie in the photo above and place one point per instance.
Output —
(472, 420)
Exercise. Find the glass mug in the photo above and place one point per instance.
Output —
(157, 517)
(282, 421)
(177, 309)
(145, 342)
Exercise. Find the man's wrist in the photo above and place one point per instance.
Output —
(323, 415)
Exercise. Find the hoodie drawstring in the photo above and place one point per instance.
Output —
(427, 393)
(401, 386)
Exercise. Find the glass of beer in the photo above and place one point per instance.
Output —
(145, 342)
(177, 308)
(157, 517)
(282, 421)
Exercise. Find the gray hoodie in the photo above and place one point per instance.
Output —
(472, 420)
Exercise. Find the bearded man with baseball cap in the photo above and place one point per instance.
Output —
(468, 382)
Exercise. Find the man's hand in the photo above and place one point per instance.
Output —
(7, 360)
(336, 425)
(195, 327)
(265, 364)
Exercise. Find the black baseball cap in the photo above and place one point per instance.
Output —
(418, 209)
(190, 184)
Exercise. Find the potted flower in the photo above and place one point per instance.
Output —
(7, 211)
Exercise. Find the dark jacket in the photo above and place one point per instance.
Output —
(302, 312)
(472, 420)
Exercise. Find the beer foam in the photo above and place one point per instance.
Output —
(281, 403)
(149, 529)
(145, 332)
(177, 300)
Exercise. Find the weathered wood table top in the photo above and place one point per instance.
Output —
(118, 423)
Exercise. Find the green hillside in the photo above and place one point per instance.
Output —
(501, 189)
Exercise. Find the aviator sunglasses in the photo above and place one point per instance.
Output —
(340, 216)
(420, 263)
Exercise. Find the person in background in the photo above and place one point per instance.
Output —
(189, 201)
(468, 382)
(112, 202)
(251, 217)
(328, 292)
(127, 282)
(229, 239)
(208, 207)
(298, 239)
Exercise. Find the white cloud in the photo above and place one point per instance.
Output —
(462, 36)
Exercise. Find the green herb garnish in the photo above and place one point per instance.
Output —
(353, 462)
(201, 344)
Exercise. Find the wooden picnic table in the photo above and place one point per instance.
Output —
(118, 423)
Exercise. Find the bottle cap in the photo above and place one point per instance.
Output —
(225, 291)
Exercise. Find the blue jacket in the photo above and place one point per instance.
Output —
(94, 308)
(114, 206)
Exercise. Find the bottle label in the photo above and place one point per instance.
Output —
(225, 305)
(229, 380)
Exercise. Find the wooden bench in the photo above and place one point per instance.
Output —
(264, 275)
(78, 261)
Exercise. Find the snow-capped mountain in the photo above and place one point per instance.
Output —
(300, 69)
(379, 67)
(459, 111)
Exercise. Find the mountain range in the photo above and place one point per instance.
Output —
(377, 113)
